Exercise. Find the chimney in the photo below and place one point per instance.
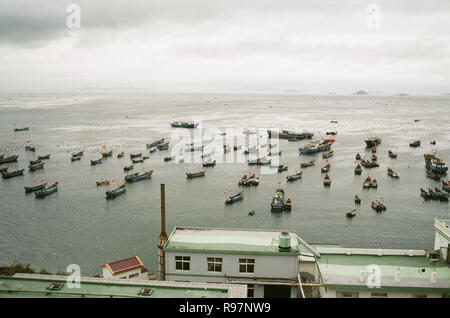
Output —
(162, 239)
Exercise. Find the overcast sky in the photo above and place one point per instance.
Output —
(394, 46)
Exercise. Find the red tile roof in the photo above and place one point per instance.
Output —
(124, 265)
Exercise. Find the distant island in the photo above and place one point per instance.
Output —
(361, 92)
(402, 94)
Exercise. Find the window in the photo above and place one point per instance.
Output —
(133, 275)
(214, 264)
(347, 295)
(246, 265)
(182, 263)
(379, 295)
(250, 291)
(419, 295)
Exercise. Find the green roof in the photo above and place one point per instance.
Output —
(23, 286)
(228, 241)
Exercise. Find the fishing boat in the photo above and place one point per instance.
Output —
(116, 192)
(357, 199)
(152, 149)
(135, 155)
(138, 160)
(9, 159)
(251, 212)
(35, 188)
(288, 205)
(128, 168)
(333, 121)
(327, 155)
(251, 180)
(44, 157)
(275, 153)
(307, 164)
(392, 155)
(433, 175)
(120, 155)
(209, 163)
(433, 142)
(155, 143)
(260, 161)
(7, 175)
(295, 176)
(102, 183)
(30, 148)
(234, 198)
(372, 141)
(47, 191)
(392, 173)
(378, 206)
(249, 150)
(367, 182)
(446, 186)
(374, 158)
(374, 149)
(107, 154)
(145, 157)
(326, 168)
(314, 147)
(169, 158)
(75, 158)
(374, 183)
(285, 134)
(358, 169)
(37, 166)
(425, 194)
(191, 175)
(358, 156)
(22, 129)
(415, 144)
(34, 162)
(163, 146)
(3, 169)
(184, 124)
(331, 133)
(442, 196)
(282, 168)
(435, 164)
(78, 154)
(278, 200)
(369, 164)
(327, 180)
(96, 162)
(138, 177)
(351, 214)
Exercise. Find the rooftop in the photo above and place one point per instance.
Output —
(124, 265)
(32, 285)
(442, 226)
(234, 241)
(342, 267)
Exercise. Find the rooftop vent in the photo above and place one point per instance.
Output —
(284, 244)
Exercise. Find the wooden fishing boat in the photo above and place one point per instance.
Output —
(209, 163)
(441, 195)
(138, 177)
(128, 168)
(120, 155)
(9, 159)
(251, 180)
(35, 188)
(22, 129)
(326, 168)
(145, 157)
(12, 174)
(433, 175)
(425, 194)
(331, 133)
(278, 200)
(415, 144)
(327, 180)
(116, 192)
(37, 166)
(164, 146)
(314, 147)
(96, 162)
(358, 156)
(34, 162)
(378, 206)
(433, 142)
(135, 155)
(372, 141)
(374, 158)
(392, 173)
(446, 186)
(357, 199)
(369, 164)
(184, 124)
(327, 155)
(288, 205)
(191, 175)
(47, 191)
(435, 164)
(374, 149)
(155, 143)
(4, 169)
(367, 182)
(152, 149)
(260, 161)
(107, 154)
(30, 148)
(102, 183)
(169, 158)
(75, 158)
(307, 164)
(392, 155)
(295, 176)
(137, 160)
(333, 121)
(374, 183)
(285, 134)
(44, 157)
(282, 168)
(78, 154)
(235, 198)
(351, 214)
(251, 212)
(358, 169)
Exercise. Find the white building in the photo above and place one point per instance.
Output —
(130, 268)
(265, 260)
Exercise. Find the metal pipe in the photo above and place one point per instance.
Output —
(163, 209)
